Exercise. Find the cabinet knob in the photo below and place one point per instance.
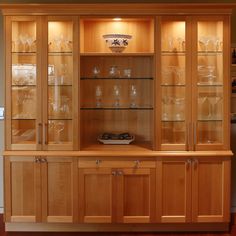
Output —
(136, 163)
(114, 173)
(98, 162)
(189, 161)
(37, 160)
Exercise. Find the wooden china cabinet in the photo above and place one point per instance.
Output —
(66, 89)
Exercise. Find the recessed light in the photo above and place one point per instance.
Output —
(117, 19)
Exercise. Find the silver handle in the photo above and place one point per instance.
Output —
(194, 135)
(46, 133)
(189, 161)
(98, 162)
(187, 137)
(37, 160)
(136, 163)
(195, 163)
(114, 173)
(40, 133)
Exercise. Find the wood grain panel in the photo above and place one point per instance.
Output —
(95, 195)
(174, 191)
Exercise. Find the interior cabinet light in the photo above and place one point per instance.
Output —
(117, 19)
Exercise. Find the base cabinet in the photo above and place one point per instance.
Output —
(193, 190)
(211, 190)
(22, 189)
(174, 190)
(117, 193)
(39, 189)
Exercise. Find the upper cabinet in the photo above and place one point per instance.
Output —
(41, 83)
(61, 105)
(210, 69)
(159, 82)
(23, 82)
(193, 105)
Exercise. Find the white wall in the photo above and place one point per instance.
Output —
(1, 121)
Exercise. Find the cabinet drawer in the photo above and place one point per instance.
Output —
(99, 162)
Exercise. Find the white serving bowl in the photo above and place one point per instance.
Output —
(117, 42)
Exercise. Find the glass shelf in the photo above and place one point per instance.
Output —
(116, 78)
(59, 118)
(209, 120)
(173, 85)
(209, 84)
(209, 53)
(59, 85)
(24, 53)
(60, 54)
(116, 108)
(173, 53)
(180, 120)
(23, 118)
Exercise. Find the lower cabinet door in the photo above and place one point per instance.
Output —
(134, 195)
(22, 189)
(95, 195)
(211, 190)
(59, 176)
(174, 190)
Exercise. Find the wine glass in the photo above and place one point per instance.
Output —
(201, 101)
(96, 71)
(23, 40)
(213, 102)
(205, 41)
(59, 127)
(133, 96)
(98, 94)
(30, 41)
(116, 94)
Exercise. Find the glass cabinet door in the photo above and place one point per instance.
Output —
(22, 81)
(211, 82)
(60, 85)
(173, 84)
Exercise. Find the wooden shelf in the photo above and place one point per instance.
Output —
(123, 54)
(130, 147)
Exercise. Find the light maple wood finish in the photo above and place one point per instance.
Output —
(211, 188)
(134, 196)
(70, 139)
(22, 189)
(94, 28)
(225, 32)
(58, 189)
(27, 24)
(95, 195)
(174, 190)
(116, 185)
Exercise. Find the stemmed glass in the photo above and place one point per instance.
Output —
(205, 41)
(23, 39)
(116, 94)
(98, 94)
(30, 41)
(59, 127)
(201, 101)
(213, 102)
(133, 96)
(167, 101)
(180, 44)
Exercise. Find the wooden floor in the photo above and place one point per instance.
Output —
(3, 233)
